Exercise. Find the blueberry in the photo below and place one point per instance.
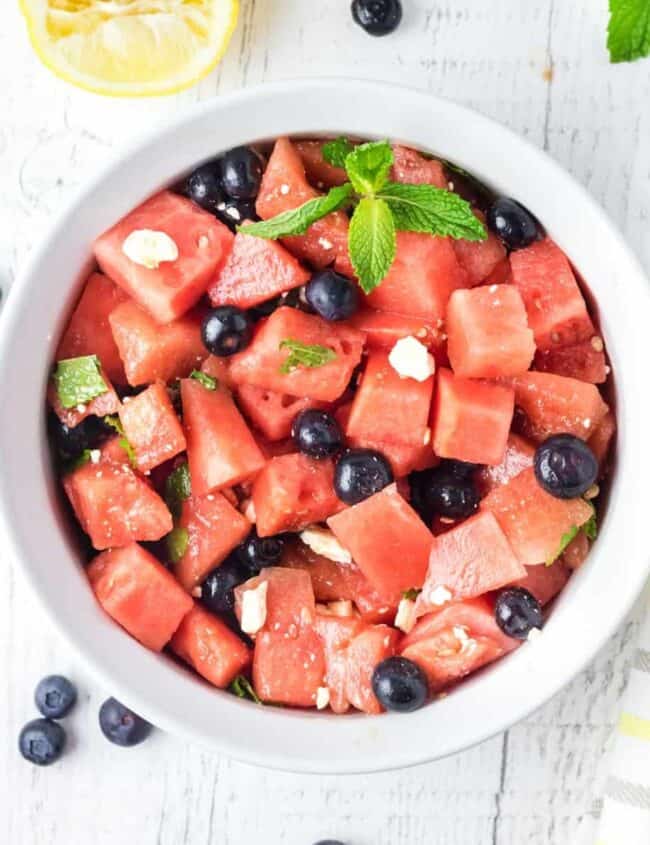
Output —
(513, 223)
(377, 17)
(332, 295)
(232, 212)
(55, 696)
(241, 173)
(203, 186)
(359, 473)
(257, 552)
(565, 466)
(461, 469)
(226, 330)
(71, 442)
(469, 187)
(122, 726)
(42, 741)
(444, 491)
(517, 612)
(400, 684)
(217, 594)
(317, 434)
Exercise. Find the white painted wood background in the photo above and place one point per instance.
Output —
(538, 66)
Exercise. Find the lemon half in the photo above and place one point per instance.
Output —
(130, 48)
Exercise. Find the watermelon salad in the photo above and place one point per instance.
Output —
(332, 419)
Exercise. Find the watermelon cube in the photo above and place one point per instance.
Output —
(518, 457)
(421, 279)
(103, 405)
(382, 329)
(479, 259)
(389, 408)
(291, 492)
(545, 582)
(488, 332)
(262, 362)
(210, 647)
(336, 634)
(219, 369)
(584, 361)
(557, 312)
(534, 521)
(285, 187)
(472, 558)
(290, 602)
(88, 331)
(367, 649)
(256, 270)
(557, 404)
(321, 173)
(151, 351)
(152, 427)
(115, 505)
(270, 412)
(139, 594)
(221, 451)
(574, 555)
(601, 440)
(214, 528)
(387, 540)
(471, 419)
(414, 169)
(172, 288)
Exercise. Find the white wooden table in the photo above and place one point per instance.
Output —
(538, 66)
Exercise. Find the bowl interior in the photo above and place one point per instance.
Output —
(36, 525)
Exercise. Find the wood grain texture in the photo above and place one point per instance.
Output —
(540, 67)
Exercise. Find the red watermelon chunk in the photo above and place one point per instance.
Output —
(471, 419)
(387, 540)
(114, 505)
(501, 274)
(584, 361)
(261, 363)
(151, 351)
(270, 412)
(221, 451)
(389, 408)
(421, 278)
(472, 558)
(413, 168)
(518, 457)
(544, 582)
(88, 331)
(219, 369)
(152, 427)
(171, 289)
(575, 553)
(367, 649)
(557, 312)
(479, 259)
(291, 492)
(210, 647)
(488, 333)
(601, 440)
(557, 404)
(139, 594)
(336, 634)
(285, 187)
(290, 602)
(103, 405)
(256, 270)
(534, 521)
(382, 329)
(320, 173)
(214, 528)
(451, 642)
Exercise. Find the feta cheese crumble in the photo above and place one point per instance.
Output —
(149, 248)
(322, 698)
(253, 608)
(342, 608)
(405, 616)
(323, 542)
(95, 455)
(439, 596)
(411, 359)
(534, 634)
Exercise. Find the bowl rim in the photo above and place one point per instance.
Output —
(276, 738)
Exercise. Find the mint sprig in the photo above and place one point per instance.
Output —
(177, 541)
(78, 380)
(628, 32)
(207, 381)
(382, 208)
(304, 355)
(242, 688)
(178, 488)
(116, 424)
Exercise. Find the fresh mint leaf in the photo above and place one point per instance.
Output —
(425, 208)
(78, 380)
(298, 220)
(628, 32)
(411, 594)
(242, 688)
(368, 166)
(177, 541)
(178, 488)
(590, 528)
(335, 152)
(371, 242)
(567, 538)
(76, 463)
(116, 424)
(203, 378)
(304, 355)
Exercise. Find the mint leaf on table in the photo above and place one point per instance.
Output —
(78, 380)
(116, 424)
(628, 32)
(177, 489)
(203, 378)
(305, 355)
(368, 166)
(335, 152)
(298, 220)
(242, 688)
(425, 208)
(372, 242)
(177, 541)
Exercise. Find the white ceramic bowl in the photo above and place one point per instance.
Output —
(588, 611)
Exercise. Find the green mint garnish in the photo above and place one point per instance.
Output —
(76, 463)
(411, 594)
(177, 489)
(298, 220)
(381, 209)
(177, 541)
(567, 538)
(203, 378)
(79, 380)
(242, 688)
(115, 423)
(304, 355)
(335, 152)
(590, 527)
(628, 33)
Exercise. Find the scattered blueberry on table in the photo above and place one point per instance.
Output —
(377, 17)
(55, 696)
(122, 726)
(517, 612)
(42, 741)
(400, 684)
